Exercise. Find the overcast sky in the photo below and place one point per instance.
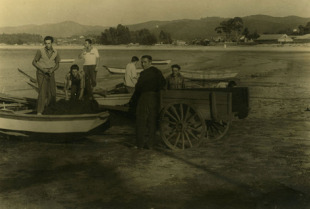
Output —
(113, 12)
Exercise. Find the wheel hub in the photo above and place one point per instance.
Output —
(180, 127)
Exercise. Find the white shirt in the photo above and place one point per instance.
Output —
(131, 76)
(90, 58)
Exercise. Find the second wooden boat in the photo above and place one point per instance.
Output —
(205, 75)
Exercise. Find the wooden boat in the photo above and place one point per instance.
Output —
(161, 62)
(205, 75)
(15, 121)
(114, 70)
(17, 118)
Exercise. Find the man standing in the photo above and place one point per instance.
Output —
(147, 92)
(91, 62)
(46, 61)
(131, 75)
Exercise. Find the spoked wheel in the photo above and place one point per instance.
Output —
(217, 129)
(181, 126)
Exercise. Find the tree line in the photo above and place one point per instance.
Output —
(20, 38)
(302, 30)
(122, 35)
(233, 29)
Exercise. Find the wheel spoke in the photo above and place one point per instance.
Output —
(188, 139)
(190, 117)
(175, 112)
(181, 111)
(169, 114)
(219, 127)
(195, 129)
(176, 142)
(182, 140)
(195, 137)
(217, 130)
(170, 136)
(170, 122)
(186, 114)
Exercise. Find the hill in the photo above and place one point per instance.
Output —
(187, 29)
(63, 29)
(184, 29)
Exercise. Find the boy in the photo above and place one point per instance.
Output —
(76, 80)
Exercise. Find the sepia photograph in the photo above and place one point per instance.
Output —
(154, 104)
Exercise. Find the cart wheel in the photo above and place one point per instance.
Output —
(217, 129)
(181, 126)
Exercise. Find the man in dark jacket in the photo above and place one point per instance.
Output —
(147, 95)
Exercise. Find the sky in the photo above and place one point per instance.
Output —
(126, 12)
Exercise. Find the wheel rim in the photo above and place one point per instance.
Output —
(217, 129)
(181, 126)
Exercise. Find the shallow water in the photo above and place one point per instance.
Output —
(246, 63)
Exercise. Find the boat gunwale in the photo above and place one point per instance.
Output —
(52, 118)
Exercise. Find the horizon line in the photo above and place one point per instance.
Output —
(51, 23)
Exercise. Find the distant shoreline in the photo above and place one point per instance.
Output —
(261, 47)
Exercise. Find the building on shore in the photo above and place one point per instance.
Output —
(273, 38)
(302, 39)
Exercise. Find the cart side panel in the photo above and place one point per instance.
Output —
(211, 105)
(240, 100)
(200, 100)
(221, 106)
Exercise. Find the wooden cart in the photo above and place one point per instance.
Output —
(189, 116)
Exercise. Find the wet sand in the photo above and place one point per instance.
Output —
(262, 162)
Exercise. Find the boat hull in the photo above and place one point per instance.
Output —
(51, 124)
(208, 76)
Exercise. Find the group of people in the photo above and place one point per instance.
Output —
(145, 88)
(174, 81)
(81, 82)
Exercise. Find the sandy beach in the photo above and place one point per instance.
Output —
(262, 163)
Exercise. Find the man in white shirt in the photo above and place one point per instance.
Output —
(91, 62)
(131, 75)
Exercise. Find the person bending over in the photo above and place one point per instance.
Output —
(75, 80)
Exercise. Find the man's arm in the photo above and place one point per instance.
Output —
(82, 85)
(81, 55)
(134, 74)
(97, 57)
(57, 60)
